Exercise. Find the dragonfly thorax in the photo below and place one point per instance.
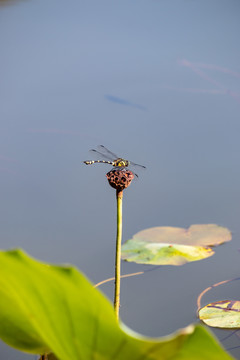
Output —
(121, 162)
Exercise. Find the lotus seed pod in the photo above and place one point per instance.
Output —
(120, 179)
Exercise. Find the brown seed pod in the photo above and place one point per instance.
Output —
(120, 179)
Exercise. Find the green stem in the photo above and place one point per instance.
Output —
(119, 195)
(43, 357)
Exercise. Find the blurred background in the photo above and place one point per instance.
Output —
(157, 82)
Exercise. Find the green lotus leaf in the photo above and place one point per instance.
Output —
(163, 254)
(221, 314)
(46, 308)
(174, 246)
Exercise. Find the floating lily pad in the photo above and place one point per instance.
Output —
(46, 308)
(221, 314)
(174, 246)
(163, 254)
(201, 235)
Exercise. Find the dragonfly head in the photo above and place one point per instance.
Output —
(121, 163)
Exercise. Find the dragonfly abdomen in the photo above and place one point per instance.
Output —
(90, 162)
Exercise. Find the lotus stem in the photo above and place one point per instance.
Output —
(119, 195)
(44, 357)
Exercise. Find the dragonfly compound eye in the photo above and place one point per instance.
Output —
(120, 179)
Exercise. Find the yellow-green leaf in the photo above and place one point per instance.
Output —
(46, 308)
(221, 314)
(163, 254)
(174, 246)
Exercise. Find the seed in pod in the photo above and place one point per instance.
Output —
(120, 179)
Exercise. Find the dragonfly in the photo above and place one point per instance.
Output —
(108, 157)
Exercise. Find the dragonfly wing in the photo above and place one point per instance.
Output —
(137, 165)
(100, 156)
(107, 152)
